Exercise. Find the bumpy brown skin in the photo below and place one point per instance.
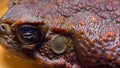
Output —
(93, 25)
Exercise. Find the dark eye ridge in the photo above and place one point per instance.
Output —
(29, 34)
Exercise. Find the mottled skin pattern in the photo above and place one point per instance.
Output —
(93, 26)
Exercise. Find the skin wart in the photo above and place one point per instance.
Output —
(91, 29)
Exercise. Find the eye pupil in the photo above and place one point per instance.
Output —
(29, 34)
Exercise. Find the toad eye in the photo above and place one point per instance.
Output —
(29, 34)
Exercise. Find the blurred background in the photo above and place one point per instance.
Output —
(7, 60)
(3, 7)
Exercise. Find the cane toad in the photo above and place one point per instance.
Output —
(63, 33)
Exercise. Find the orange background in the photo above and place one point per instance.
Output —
(7, 60)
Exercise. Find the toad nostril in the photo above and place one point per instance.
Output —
(2, 28)
(5, 29)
